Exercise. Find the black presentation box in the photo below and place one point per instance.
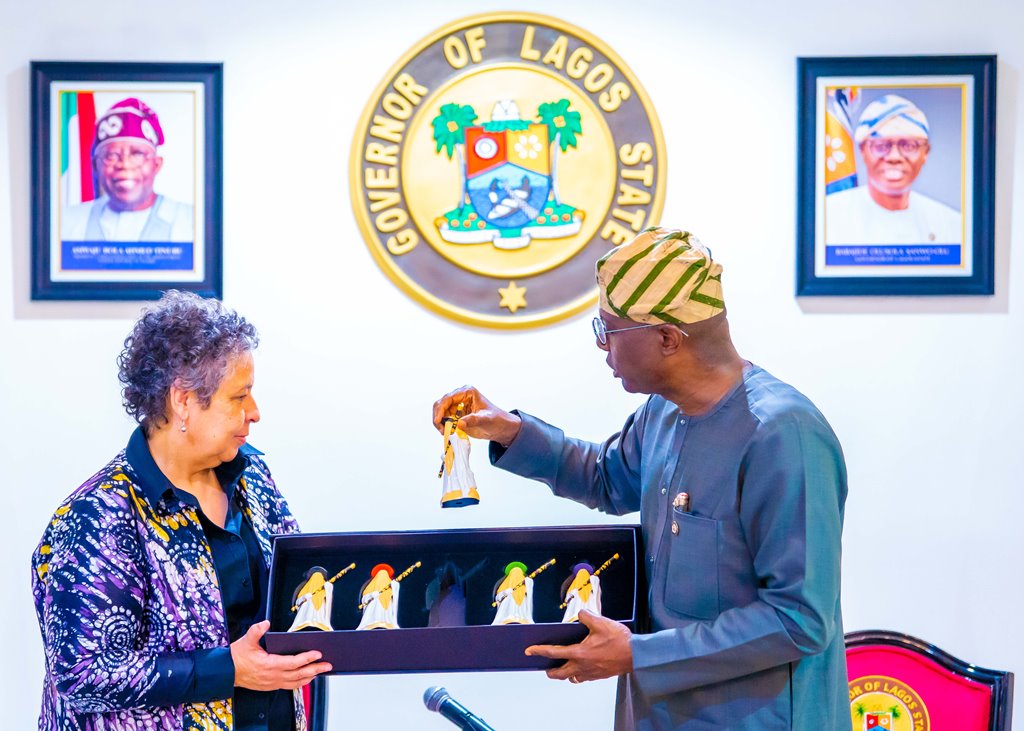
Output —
(457, 635)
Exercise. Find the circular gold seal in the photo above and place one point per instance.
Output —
(881, 703)
(499, 158)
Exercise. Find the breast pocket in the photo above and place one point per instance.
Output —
(691, 582)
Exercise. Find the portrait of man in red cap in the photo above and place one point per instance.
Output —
(126, 160)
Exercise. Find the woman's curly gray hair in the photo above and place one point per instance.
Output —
(184, 339)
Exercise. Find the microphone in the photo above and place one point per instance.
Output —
(438, 700)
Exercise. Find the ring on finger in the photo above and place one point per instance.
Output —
(574, 679)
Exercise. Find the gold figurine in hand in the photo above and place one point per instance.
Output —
(458, 486)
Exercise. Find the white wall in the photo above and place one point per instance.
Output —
(922, 392)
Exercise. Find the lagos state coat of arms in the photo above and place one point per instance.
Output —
(498, 159)
(881, 703)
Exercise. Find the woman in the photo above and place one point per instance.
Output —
(151, 579)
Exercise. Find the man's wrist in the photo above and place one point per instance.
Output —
(515, 424)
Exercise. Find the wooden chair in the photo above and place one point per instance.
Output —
(900, 682)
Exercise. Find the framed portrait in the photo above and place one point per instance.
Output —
(896, 175)
(126, 179)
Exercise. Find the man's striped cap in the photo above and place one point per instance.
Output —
(891, 116)
(663, 275)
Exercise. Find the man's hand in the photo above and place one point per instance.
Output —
(257, 669)
(481, 419)
(604, 653)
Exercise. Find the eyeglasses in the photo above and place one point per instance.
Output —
(134, 158)
(908, 148)
(601, 330)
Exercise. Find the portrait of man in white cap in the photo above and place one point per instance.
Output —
(893, 139)
(126, 161)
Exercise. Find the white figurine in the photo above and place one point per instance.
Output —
(582, 590)
(380, 600)
(312, 601)
(380, 597)
(514, 596)
(458, 486)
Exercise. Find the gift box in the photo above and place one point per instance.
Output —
(446, 602)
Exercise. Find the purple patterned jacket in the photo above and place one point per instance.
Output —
(118, 582)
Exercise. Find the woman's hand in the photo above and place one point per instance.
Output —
(481, 420)
(257, 669)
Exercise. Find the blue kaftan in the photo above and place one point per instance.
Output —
(745, 621)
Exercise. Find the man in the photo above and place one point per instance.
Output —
(740, 484)
(893, 141)
(126, 162)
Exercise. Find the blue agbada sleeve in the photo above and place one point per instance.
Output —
(603, 476)
(790, 511)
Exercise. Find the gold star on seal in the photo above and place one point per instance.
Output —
(512, 297)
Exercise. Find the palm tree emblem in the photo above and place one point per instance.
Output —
(450, 135)
(877, 720)
(563, 126)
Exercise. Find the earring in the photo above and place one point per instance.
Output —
(182, 428)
